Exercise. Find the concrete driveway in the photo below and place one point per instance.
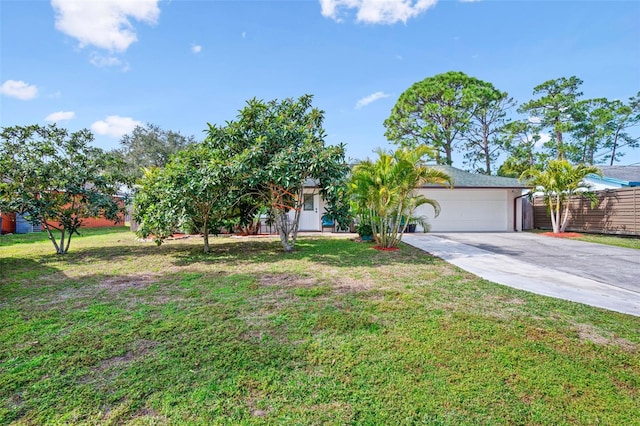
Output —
(594, 274)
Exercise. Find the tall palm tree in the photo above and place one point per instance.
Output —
(559, 181)
(384, 192)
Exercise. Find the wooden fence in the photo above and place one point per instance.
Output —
(618, 212)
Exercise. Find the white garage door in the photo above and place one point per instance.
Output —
(468, 210)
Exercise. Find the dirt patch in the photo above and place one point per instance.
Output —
(139, 349)
(106, 370)
(587, 332)
(339, 284)
(150, 414)
(127, 282)
(84, 295)
(287, 280)
(344, 285)
(563, 235)
(253, 405)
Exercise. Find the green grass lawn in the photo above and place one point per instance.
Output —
(124, 332)
(611, 240)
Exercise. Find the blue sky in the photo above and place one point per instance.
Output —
(109, 65)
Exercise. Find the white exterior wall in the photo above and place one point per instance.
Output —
(311, 220)
(472, 210)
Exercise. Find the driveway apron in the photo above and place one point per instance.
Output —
(595, 274)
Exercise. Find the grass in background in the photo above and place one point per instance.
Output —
(124, 332)
(611, 240)
(37, 237)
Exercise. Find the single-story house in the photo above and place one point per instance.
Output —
(476, 203)
(615, 177)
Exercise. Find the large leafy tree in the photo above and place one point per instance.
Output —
(274, 148)
(384, 192)
(437, 112)
(558, 181)
(57, 179)
(555, 109)
(190, 192)
(150, 146)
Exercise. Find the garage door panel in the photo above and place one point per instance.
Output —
(467, 210)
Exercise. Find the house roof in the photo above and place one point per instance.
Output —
(461, 179)
(621, 175)
(464, 179)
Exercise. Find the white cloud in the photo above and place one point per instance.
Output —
(60, 116)
(534, 120)
(244, 34)
(19, 89)
(376, 11)
(105, 23)
(544, 138)
(196, 48)
(115, 126)
(104, 61)
(371, 98)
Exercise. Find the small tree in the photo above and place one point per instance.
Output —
(384, 192)
(55, 178)
(192, 192)
(557, 182)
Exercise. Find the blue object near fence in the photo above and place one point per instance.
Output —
(23, 226)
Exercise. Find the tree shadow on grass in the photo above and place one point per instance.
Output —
(20, 268)
(326, 251)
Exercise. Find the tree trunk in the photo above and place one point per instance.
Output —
(447, 149)
(296, 216)
(485, 146)
(205, 235)
(71, 231)
(565, 218)
(61, 249)
(282, 223)
(51, 237)
(561, 153)
(613, 151)
(555, 215)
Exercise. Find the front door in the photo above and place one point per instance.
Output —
(310, 215)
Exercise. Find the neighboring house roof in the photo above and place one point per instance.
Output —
(617, 176)
(464, 179)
